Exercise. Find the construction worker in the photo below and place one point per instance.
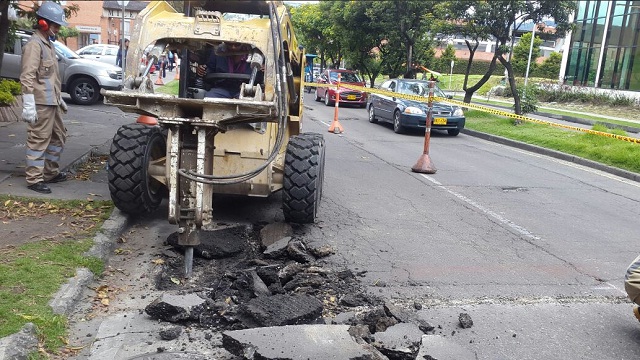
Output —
(42, 101)
(632, 285)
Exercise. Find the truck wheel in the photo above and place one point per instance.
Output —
(84, 91)
(303, 178)
(134, 147)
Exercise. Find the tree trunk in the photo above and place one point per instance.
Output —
(468, 92)
(512, 84)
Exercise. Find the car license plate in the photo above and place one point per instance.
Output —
(440, 121)
(351, 97)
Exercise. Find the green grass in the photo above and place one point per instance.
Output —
(32, 273)
(592, 117)
(613, 152)
(170, 88)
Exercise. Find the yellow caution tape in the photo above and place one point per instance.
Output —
(476, 107)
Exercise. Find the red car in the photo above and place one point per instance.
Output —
(347, 96)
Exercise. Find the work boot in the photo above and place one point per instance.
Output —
(636, 312)
(40, 187)
(62, 176)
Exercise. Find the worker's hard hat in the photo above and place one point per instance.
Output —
(53, 12)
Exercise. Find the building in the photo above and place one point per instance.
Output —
(601, 51)
(99, 22)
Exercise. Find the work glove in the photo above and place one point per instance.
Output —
(63, 105)
(29, 113)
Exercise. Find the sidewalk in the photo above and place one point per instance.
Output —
(89, 131)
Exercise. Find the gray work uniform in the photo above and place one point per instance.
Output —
(46, 137)
(632, 281)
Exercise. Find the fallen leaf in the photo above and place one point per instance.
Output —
(105, 302)
(158, 261)
(175, 280)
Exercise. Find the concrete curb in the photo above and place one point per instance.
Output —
(556, 154)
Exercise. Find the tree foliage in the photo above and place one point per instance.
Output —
(520, 56)
(499, 19)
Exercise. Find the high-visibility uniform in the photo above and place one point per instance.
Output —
(46, 137)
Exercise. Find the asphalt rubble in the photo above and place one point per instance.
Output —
(262, 293)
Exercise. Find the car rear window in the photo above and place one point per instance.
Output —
(345, 76)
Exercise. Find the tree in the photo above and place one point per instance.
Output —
(498, 18)
(448, 55)
(313, 29)
(521, 54)
(67, 32)
(550, 68)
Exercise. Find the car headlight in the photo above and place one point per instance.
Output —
(112, 74)
(413, 110)
(458, 112)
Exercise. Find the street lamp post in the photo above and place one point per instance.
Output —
(533, 36)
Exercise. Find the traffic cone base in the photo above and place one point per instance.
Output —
(335, 127)
(424, 165)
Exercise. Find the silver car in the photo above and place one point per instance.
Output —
(101, 52)
(81, 78)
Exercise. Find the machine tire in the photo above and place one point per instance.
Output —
(133, 147)
(84, 91)
(303, 177)
(317, 97)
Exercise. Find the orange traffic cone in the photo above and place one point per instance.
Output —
(335, 127)
(159, 79)
(147, 120)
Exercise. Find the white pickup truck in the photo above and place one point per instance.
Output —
(81, 78)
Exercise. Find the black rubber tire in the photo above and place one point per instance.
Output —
(316, 97)
(453, 132)
(133, 147)
(84, 91)
(372, 115)
(303, 177)
(397, 125)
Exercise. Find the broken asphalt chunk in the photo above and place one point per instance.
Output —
(312, 342)
(279, 310)
(175, 308)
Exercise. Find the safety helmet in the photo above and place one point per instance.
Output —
(52, 12)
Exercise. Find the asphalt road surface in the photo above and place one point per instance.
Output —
(533, 248)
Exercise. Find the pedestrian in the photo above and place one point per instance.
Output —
(120, 53)
(43, 106)
(170, 62)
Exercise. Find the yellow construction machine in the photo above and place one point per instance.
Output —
(190, 146)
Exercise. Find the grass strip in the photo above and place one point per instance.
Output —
(617, 153)
(30, 274)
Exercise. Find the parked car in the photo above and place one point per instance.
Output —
(101, 52)
(81, 78)
(405, 114)
(347, 96)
